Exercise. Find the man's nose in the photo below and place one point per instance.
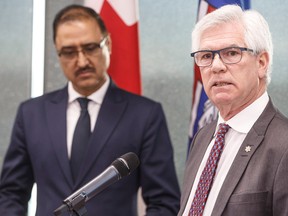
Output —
(217, 63)
(82, 59)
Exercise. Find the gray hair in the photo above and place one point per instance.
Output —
(257, 35)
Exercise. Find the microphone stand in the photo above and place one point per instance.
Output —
(75, 203)
(76, 207)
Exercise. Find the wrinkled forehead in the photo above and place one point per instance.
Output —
(222, 35)
(77, 33)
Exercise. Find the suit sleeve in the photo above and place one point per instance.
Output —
(17, 176)
(280, 196)
(160, 189)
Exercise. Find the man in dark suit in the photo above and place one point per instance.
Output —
(42, 138)
(242, 169)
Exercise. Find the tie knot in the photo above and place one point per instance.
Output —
(223, 128)
(83, 101)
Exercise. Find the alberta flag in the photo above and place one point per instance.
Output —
(121, 19)
(203, 111)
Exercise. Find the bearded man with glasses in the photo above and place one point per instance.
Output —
(238, 164)
(45, 150)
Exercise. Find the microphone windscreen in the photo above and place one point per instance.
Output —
(126, 163)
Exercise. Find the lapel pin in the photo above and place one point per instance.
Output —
(247, 148)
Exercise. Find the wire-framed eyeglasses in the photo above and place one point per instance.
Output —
(228, 55)
(90, 49)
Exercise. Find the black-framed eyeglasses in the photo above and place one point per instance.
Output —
(228, 55)
(90, 49)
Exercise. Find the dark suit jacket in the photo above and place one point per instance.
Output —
(126, 123)
(257, 182)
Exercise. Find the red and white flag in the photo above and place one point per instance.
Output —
(121, 19)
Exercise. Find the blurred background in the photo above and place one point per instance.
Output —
(166, 67)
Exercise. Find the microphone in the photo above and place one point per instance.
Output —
(120, 168)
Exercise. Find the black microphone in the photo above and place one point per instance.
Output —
(121, 167)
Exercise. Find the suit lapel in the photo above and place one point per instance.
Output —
(204, 137)
(111, 110)
(253, 139)
(56, 118)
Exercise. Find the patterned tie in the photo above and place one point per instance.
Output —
(207, 176)
(81, 137)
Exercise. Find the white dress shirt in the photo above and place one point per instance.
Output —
(73, 109)
(240, 125)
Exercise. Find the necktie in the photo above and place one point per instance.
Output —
(207, 176)
(80, 138)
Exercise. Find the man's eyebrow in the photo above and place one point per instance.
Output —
(68, 47)
(227, 46)
(75, 47)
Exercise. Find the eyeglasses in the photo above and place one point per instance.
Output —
(228, 55)
(91, 49)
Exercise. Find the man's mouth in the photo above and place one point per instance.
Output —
(219, 84)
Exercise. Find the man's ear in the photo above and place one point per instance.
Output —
(109, 44)
(263, 63)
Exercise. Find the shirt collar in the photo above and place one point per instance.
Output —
(248, 116)
(97, 96)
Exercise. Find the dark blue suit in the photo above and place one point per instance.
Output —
(126, 123)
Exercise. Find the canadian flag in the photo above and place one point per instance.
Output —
(121, 19)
